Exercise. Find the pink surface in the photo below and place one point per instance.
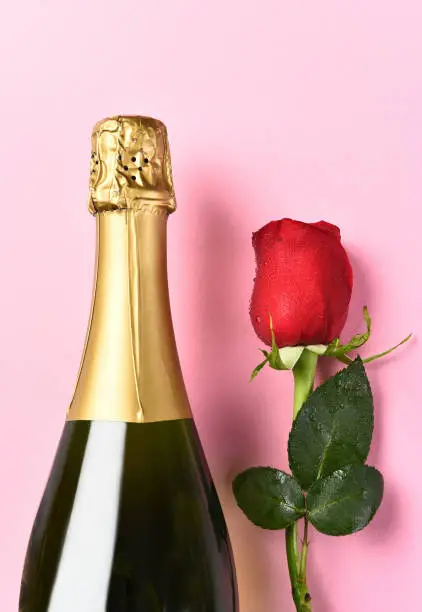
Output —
(274, 108)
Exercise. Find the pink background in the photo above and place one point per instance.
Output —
(274, 108)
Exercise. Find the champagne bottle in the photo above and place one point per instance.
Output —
(130, 520)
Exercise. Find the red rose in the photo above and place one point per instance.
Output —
(303, 280)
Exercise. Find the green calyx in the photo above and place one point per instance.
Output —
(287, 357)
(341, 351)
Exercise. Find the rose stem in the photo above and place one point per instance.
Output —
(304, 376)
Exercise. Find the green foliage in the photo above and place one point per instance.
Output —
(280, 359)
(341, 351)
(270, 498)
(345, 501)
(328, 446)
(286, 358)
(336, 349)
(258, 368)
(334, 427)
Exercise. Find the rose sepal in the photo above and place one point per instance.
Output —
(286, 358)
(341, 351)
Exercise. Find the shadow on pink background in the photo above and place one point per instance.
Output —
(310, 110)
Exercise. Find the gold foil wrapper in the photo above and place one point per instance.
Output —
(130, 369)
(130, 165)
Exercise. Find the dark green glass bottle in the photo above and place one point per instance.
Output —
(130, 520)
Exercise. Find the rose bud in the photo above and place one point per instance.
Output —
(303, 282)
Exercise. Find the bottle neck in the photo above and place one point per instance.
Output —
(130, 369)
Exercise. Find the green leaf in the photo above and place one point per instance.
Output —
(334, 426)
(270, 498)
(346, 501)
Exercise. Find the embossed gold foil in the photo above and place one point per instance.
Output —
(130, 369)
(130, 165)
